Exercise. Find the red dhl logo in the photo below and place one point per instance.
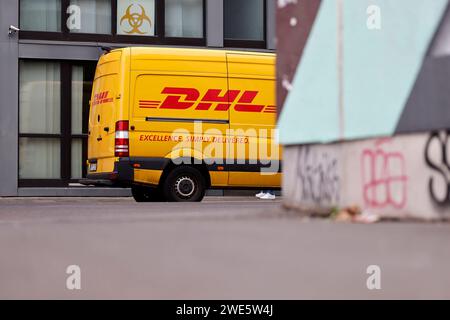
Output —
(186, 98)
(101, 98)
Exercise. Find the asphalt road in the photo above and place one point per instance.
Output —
(223, 248)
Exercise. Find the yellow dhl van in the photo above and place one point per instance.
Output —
(172, 123)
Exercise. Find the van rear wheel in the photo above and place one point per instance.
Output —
(146, 194)
(184, 184)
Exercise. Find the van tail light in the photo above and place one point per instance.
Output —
(122, 140)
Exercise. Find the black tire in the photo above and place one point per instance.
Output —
(184, 184)
(146, 194)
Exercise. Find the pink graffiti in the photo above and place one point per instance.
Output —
(384, 177)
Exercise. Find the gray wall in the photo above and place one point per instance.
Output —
(8, 99)
(214, 23)
(32, 49)
(271, 26)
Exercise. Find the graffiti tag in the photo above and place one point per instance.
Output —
(441, 166)
(384, 178)
(319, 177)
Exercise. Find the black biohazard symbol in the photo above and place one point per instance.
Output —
(135, 20)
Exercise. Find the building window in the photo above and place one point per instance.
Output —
(184, 18)
(53, 121)
(87, 16)
(81, 90)
(77, 95)
(161, 22)
(77, 157)
(244, 23)
(40, 115)
(40, 15)
(40, 98)
(39, 158)
(136, 18)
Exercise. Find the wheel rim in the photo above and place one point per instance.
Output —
(185, 187)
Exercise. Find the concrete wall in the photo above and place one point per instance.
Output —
(8, 99)
(366, 116)
(406, 176)
(294, 24)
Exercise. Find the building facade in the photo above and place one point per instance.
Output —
(47, 68)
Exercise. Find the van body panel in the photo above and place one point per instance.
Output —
(256, 73)
(150, 177)
(219, 179)
(168, 124)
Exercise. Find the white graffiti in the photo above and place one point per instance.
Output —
(319, 177)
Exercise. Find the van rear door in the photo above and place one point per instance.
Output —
(102, 113)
